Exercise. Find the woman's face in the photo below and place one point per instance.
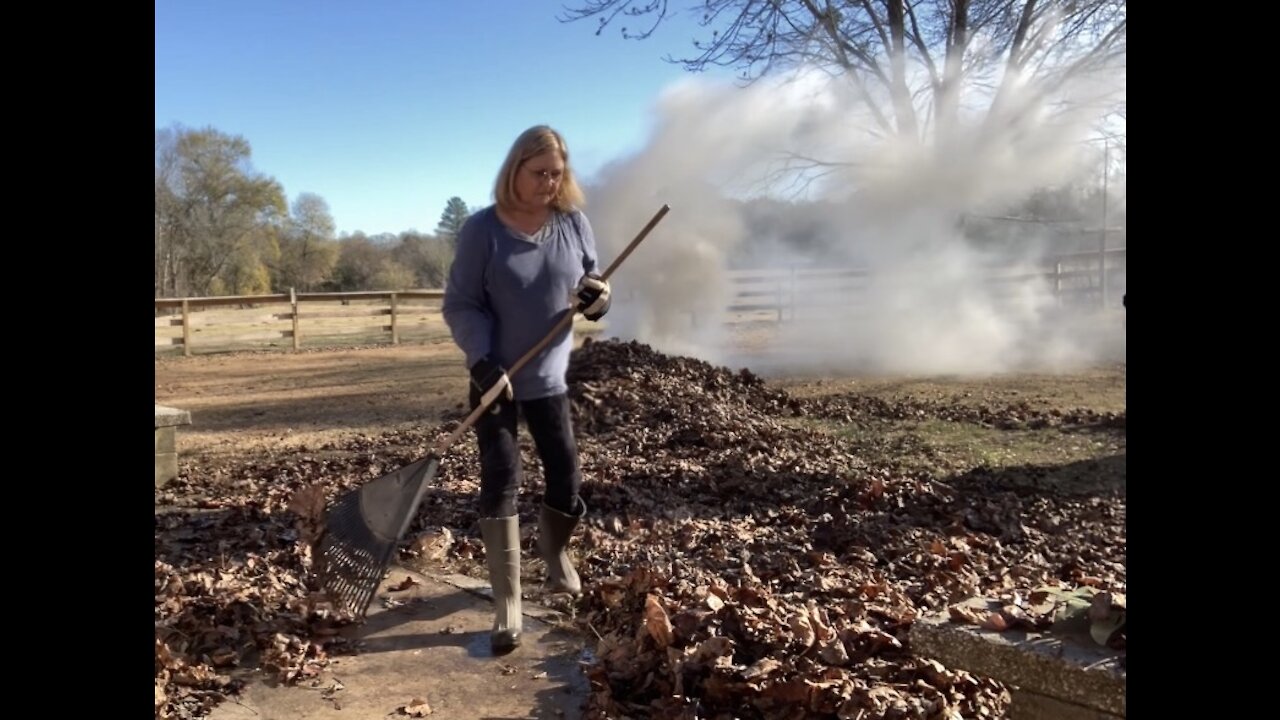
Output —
(538, 179)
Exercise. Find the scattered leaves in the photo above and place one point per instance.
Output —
(733, 560)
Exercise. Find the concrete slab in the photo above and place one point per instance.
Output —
(1058, 667)
(433, 644)
(170, 417)
(167, 420)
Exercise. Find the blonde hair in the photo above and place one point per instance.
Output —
(535, 141)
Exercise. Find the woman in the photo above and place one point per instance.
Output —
(521, 264)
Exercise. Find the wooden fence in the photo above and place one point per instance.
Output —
(1076, 279)
(292, 316)
(377, 316)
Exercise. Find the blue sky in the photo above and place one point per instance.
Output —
(387, 108)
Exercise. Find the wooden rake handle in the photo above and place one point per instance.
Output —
(444, 445)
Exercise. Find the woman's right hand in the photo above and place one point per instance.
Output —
(489, 381)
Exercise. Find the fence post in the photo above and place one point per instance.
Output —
(186, 328)
(293, 306)
(1102, 272)
(395, 333)
(1057, 282)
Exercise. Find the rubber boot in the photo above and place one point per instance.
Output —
(502, 552)
(554, 530)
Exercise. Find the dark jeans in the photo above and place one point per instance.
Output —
(549, 422)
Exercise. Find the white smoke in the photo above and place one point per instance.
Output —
(926, 303)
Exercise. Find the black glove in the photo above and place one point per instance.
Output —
(591, 297)
(489, 383)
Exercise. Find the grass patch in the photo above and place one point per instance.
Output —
(941, 448)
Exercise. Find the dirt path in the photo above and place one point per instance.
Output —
(242, 402)
(251, 401)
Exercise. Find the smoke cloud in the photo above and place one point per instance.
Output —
(915, 296)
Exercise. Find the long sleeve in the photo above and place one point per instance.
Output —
(590, 263)
(466, 307)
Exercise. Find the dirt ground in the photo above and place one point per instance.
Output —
(247, 402)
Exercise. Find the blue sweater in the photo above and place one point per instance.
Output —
(505, 292)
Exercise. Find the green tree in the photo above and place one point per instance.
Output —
(209, 203)
(451, 220)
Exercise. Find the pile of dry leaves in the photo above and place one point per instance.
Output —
(737, 563)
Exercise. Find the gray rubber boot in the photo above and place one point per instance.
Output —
(502, 552)
(554, 530)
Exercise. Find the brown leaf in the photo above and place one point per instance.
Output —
(657, 622)
(965, 614)
(996, 621)
(308, 502)
(881, 639)
(1100, 607)
(791, 691)
(405, 584)
(611, 594)
(802, 629)
(416, 707)
(713, 647)
(833, 652)
(851, 710)
(223, 656)
(433, 544)
(761, 668)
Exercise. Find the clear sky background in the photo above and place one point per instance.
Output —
(388, 108)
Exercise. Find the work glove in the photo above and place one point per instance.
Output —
(591, 296)
(489, 381)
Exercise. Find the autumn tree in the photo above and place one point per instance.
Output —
(210, 202)
(248, 272)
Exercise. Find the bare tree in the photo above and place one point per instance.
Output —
(428, 257)
(366, 265)
(914, 64)
(168, 223)
(358, 262)
(308, 251)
